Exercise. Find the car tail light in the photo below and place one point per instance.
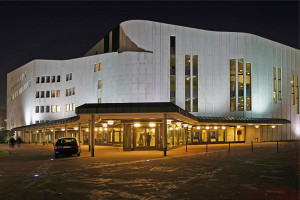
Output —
(55, 147)
(77, 146)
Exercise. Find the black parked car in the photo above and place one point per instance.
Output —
(67, 146)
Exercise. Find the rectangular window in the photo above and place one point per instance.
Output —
(42, 109)
(195, 83)
(99, 84)
(99, 100)
(53, 79)
(274, 86)
(67, 77)
(53, 109)
(42, 94)
(70, 77)
(47, 109)
(293, 90)
(73, 92)
(297, 95)
(58, 78)
(47, 94)
(37, 80)
(172, 69)
(232, 85)
(248, 86)
(67, 108)
(43, 79)
(73, 106)
(67, 92)
(187, 83)
(70, 92)
(279, 83)
(37, 94)
(37, 109)
(57, 108)
(47, 79)
(57, 93)
(96, 68)
(100, 66)
(241, 84)
(53, 93)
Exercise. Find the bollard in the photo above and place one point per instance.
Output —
(277, 146)
(252, 145)
(229, 147)
(165, 151)
(92, 152)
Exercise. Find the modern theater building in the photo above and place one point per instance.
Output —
(149, 85)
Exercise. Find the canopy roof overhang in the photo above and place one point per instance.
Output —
(145, 112)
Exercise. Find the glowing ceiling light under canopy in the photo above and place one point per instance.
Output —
(105, 129)
(256, 126)
(63, 129)
(169, 121)
(223, 127)
(75, 128)
(198, 127)
(104, 124)
(137, 124)
(87, 130)
(171, 128)
(215, 127)
(177, 128)
(185, 125)
(101, 129)
(178, 123)
(96, 129)
(110, 122)
(273, 126)
(207, 127)
(152, 124)
(238, 126)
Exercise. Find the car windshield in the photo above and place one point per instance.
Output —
(66, 141)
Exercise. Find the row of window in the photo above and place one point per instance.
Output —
(191, 84)
(237, 79)
(41, 94)
(21, 90)
(54, 108)
(46, 79)
(70, 91)
(276, 84)
(297, 92)
(98, 67)
(18, 81)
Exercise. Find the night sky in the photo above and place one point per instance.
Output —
(56, 30)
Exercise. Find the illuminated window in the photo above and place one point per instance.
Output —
(100, 66)
(67, 92)
(297, 95)
(248, 86)
(73, 91)
(43, 79)
(195, 83)
(241, 84)
(274, 86)
(67, 108)
(37, 94)
(37, 109)
(232, 85)
(53, 79)
(70, 91)
(47, 109)
(47, 79)
(73, 106)
(96, 68)
(37, 80)
(52, 108)
(58, 78)
(172, 69)
(57, 93)
(99, 100)
(42, 109)
(47, 94)
(57, 108)
(53, 93)
(279, 83)
(99, 84)
(42, 94)
(188, 83)
(293, 90)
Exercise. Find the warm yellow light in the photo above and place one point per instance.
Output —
(96, 129)
(152, 124)
(178, 123)
(185, 125)
(190, 126)
(87, 130)
(137, 124)
(75, 128)
(63, 129)
(198, 127)
(238, 126)
(101, 129)
(51, 130)
(223, 127)
(207, 127)
(105, 129)
(177, 128)
(215, 127)
(110, 122)
(273, 126)
(104, 124)
(256, 126)
(171, 128)
(169, 121)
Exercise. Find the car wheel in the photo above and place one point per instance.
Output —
(56, 155)
(78, 154)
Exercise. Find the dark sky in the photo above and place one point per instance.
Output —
(64, 30)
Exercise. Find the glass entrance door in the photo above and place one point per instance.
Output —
(145, 137)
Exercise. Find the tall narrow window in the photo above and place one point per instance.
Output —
(37, 94)
(67, 77)
(67, 92)
(58, 78)
(232, 85)
(195, 83)
(279, 83)
(99, 100)
(53, 79)
(241, 84)
(37, 80)
(187, 83)
(293, 90)
(47, 79)
(37, 109)
(172, 69)
(99, 84)
(43, 79)
(297, 95)
(47, 109)
(53, 93)
(70, 76)
(96, 68)
(57, 108)
(52, 108)
(57, 93)
(274, 86)
(100, 66)
(248, 86)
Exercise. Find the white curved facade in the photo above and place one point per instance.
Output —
(139, 71)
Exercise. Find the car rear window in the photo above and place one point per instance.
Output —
(66, 141)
